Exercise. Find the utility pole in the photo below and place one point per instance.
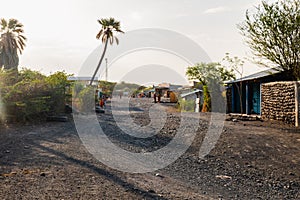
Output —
(106, 74)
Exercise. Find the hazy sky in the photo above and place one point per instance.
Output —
(61, 33)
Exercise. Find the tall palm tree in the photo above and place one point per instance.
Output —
(106, 34)
(11, 41)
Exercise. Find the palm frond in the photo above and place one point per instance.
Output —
(3, 24)
(12, 23)
(22, 37)
(117, 40)
(104, 38)
(99, 34)
(18, 30)
(119, 30)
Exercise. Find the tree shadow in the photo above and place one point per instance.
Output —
(104, 173)
(43, 146)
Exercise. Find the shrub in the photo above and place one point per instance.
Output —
(87, 99)
(32, 95)
(187, 105)
(77, 88)
(57, 84)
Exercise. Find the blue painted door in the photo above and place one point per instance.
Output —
(256, 98)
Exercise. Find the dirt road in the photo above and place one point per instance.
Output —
(252, 160)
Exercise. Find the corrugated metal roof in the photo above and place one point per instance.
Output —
(164, 85)
(257, 75)
(83, 78)
(190, 93)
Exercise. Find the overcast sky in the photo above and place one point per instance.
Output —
(61, 33)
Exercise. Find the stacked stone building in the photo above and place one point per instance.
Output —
(271, 94)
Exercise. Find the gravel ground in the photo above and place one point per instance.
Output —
(252, 160)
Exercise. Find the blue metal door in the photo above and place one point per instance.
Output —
(256, 98)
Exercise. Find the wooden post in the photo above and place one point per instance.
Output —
(247, 98)
(233, 100)
(260, 95)
(296, 105)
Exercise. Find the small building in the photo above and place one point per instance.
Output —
(247, 91)
(272, 94)
(195, 96)
(167, 90)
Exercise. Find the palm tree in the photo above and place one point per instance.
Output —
(106, 35)
(11, 41)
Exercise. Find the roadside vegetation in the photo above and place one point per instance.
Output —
(31, 95)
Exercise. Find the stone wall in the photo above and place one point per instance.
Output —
(278, 101)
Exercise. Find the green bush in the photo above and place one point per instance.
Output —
(87, 99)
(57, 84)
(187, 105)
(77, 88)
(32, 95)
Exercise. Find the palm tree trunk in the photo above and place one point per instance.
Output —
(100, 61)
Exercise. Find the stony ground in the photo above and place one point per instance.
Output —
(252, 160)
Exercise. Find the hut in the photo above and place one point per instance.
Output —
(269, 94)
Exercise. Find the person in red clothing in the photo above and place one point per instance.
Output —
(101, 102)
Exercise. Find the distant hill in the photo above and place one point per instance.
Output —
(127, 87)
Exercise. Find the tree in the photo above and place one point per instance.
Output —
(237, 65)
(108, 26)
(204, 72)
(273, 34)
(107, 87)
(31, 96)
(11, 41)
(209, 74)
